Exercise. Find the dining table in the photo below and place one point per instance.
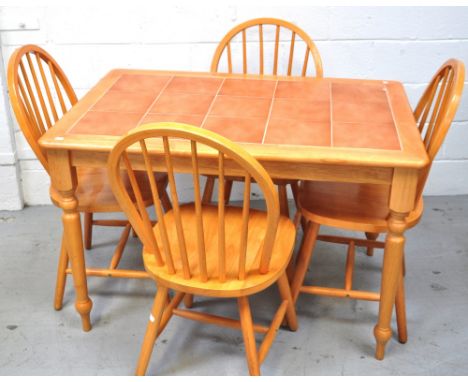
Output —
(320, 129)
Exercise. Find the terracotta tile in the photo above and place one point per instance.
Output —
(141, 83)
(290, 132)
(196, 85)
(237, 129)
(190, 119)
(170, 103)
(358, 93)
(106, 123)
(130, 102)
(250, 88)
(301, 110)
(377, 112)
(311, 90)
(366, 135)
(229, 106)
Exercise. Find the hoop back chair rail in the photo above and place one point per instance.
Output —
(364, 207)
(40, 95)
(220, 251)
(224, 50)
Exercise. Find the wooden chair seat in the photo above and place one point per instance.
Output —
(254, 282)
(94, 192)
(217, 250)
(340, 205)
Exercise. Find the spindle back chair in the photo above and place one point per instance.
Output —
(297, 36)
(364, 207)
(436, 109)
(221, 251)
(40, 95)
(224, 49)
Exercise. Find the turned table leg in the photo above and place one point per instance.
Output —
(401, 202)
(63, 177)
(390, 279)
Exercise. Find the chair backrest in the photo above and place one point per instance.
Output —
(436, 109)
(151, 147)
(225, 46)
(40, 94)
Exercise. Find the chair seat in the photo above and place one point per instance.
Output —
(94, 192)
(234, 287)
(361, 207)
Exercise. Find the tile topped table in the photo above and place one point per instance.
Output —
(298, 128)
(250, 111)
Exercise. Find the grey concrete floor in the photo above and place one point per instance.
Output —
(334, 338)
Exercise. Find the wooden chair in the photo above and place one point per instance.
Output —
(364, 207)
(40, 95)
(296, 36)
(217, 251)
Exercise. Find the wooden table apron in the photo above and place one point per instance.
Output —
(397, 168)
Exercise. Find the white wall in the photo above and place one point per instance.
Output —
(401, 43)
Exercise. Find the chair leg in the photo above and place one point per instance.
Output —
(227, 190)
(291, 268)
(166, 202)
(285, 292)
(371, 236)
(208, 191)
(61, 276)
(404, 265)
(120, 247)
(188, 300)
(283, 199)
(248, 334)
(304, 257)
(88, 229)
(151, 330)
(295, 192)
(400, 309)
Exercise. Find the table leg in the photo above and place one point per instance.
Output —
(391, 270)
(401, 203)
(63, 177)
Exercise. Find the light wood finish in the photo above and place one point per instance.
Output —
(280, 26)
(88, 229)
(224, 45)
(371, 236)
(374, 209)
(330, 163)
(61, 276)
(216, 320)
(152, 330)
(282, 161)
(209, 250)
(41, 95)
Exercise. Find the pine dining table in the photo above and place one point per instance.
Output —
(322, 129)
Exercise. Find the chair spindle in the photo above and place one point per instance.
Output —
(291, 53)
(260, 32)
(244, 228)
(47, 89)
(199, 213)
(244, 52)
(159, 210)
(221, 228)
(176, 208)
(275, 58)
